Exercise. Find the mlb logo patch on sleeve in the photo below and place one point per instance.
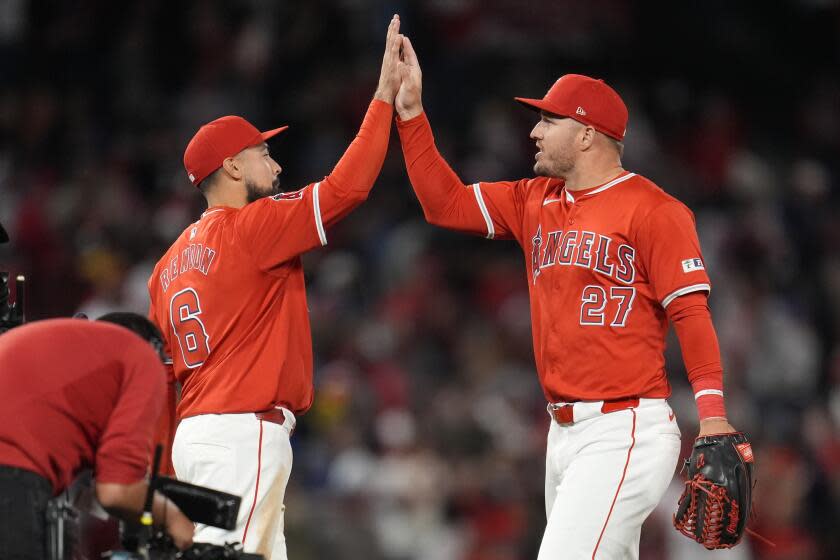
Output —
(690, 265)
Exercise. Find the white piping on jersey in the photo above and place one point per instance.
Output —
(570, 197)
(491, 231)
(682, 291)
(208, 212)
(550, 200)
(705, 392)
(322, 235)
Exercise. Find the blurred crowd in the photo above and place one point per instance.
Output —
(426, 440)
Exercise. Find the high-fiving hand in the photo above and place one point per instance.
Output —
(408, 101)
(389, 77)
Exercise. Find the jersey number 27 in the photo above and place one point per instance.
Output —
(594, 301)
(184, 314)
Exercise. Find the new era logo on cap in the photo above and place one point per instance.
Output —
(580, 111)
(689, 265)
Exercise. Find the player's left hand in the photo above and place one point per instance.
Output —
(711, 426)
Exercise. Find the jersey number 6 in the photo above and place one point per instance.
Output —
(594, 301)
(184, 312)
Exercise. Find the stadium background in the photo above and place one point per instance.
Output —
(426, 440)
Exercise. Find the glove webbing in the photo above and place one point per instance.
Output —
(713, 506)
(713, 521)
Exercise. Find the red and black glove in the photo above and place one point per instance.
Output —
(715, 505)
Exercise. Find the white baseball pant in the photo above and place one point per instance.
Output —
(242, 455)
(604, 475)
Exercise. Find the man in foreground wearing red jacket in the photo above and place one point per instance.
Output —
(77, 395)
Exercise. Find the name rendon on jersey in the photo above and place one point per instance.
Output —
(585, 249)
(194, 257)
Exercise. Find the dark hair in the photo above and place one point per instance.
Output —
(141, 326)
(207, 183)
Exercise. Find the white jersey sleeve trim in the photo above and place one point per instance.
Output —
(316, 204)
(682, 291)
(491, 231)
(706, 392)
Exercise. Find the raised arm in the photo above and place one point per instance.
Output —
(493, 210)
(352, 178)
(300, 218)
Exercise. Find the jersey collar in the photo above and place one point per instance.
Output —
(213, 210)
(577, 195)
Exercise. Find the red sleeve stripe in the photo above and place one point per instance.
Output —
(491, 231)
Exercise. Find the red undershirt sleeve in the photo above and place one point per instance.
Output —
(277, 228)
(701, 354)
(491, 209)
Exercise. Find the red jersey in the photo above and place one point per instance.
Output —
(78, 394)
(603, 265)
(229, 295)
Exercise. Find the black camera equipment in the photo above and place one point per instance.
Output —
(199, 504)
(11, 313)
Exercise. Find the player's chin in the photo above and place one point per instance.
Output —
(255, 194)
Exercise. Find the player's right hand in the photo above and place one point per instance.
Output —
(389, 77)
(409, 103)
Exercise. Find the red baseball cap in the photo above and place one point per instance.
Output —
(218, 140)
(586, 100)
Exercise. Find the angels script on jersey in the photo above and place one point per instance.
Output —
(585, 249)
(194, 257)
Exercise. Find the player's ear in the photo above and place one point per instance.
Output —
(587, 137)
(233, 168)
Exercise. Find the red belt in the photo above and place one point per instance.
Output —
(276, 416)
(564, 413)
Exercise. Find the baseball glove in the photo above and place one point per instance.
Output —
(717, 499)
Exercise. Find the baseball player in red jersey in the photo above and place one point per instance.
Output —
(611, 258)
(230, 299)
